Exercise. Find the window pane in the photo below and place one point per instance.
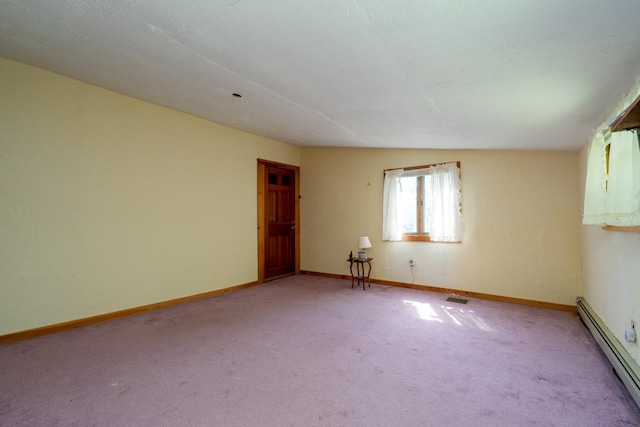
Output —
(426, 207)
(408, 201)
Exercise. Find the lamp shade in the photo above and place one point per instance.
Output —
(364, 243)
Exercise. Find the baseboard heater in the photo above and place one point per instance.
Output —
(623, 364)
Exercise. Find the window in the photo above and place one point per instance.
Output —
(423, 204)
(415, 204)
(612, 189)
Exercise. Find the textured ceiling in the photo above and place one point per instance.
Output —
(510, 74)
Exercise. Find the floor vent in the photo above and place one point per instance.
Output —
(624, 366)
(458, 300)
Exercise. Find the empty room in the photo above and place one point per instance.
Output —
(342, 213)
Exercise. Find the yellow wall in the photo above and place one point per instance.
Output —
(109, 202)
(611, 271)
(522, 213)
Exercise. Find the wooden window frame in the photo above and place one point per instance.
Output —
(419, 236)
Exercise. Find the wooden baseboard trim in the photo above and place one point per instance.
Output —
(59, 327)
(457, 292)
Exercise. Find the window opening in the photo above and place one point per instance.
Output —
(423, 203)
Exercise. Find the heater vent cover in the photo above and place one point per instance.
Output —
(457, 300)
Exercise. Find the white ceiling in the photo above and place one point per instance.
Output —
(493, 74)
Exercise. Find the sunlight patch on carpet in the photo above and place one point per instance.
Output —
(425, 311)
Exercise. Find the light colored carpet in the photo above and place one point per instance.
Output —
(311, 351)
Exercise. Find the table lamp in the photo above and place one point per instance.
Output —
(363, 243)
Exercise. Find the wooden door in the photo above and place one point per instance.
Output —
(279, 222)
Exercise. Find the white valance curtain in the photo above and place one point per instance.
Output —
(613, 198)
(447, 224)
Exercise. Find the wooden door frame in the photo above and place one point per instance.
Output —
(262, 218)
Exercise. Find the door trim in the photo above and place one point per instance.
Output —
(262, 219)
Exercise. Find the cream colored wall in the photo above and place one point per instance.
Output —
(611, 271)
(109, 202)
(521, 210)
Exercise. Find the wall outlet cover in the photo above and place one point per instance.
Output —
(630, 335)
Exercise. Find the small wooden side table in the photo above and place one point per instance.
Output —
(360, 276)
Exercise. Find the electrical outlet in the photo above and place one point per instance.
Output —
(630, 333)
(412, 262)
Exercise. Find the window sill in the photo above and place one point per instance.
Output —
(416, 238)
(633, 229)
(424, 238)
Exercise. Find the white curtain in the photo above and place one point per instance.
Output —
(447, 224)
(391, 213)
(595, 191)
(623, 190)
